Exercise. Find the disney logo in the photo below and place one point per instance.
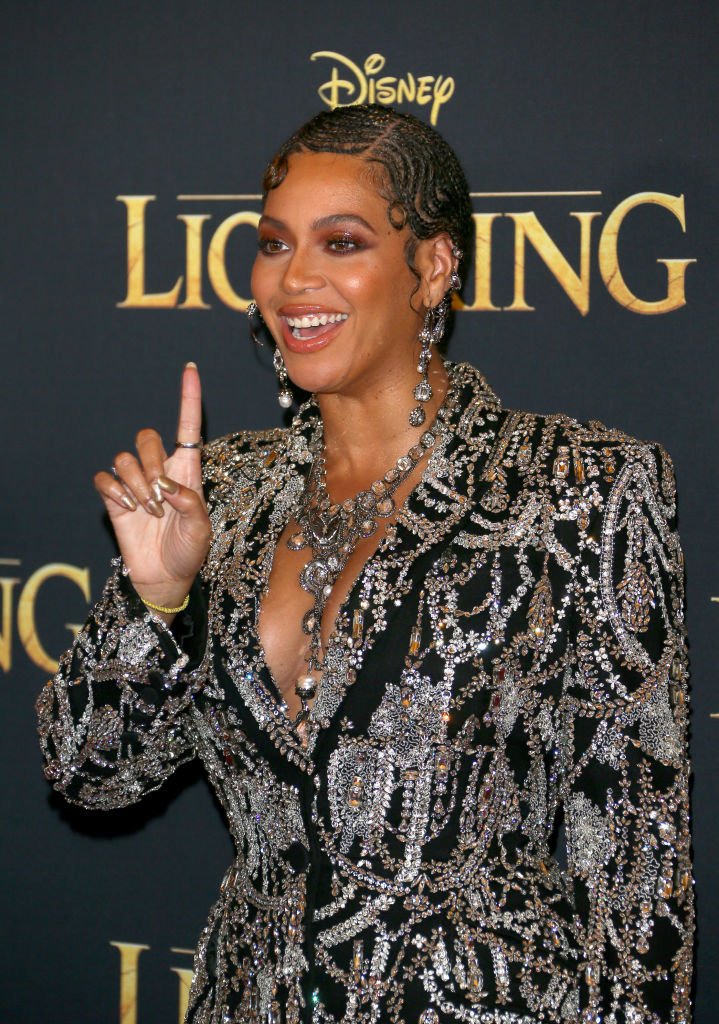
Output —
(361, 85)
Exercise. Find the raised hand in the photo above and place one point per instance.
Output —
(157, 508)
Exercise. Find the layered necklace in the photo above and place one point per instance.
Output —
(332, 531)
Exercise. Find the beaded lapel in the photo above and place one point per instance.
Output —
(448, 491)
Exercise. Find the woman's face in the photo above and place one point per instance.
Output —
(331, 278)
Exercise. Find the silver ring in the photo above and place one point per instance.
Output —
(188, 444)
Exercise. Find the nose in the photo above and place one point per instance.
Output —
(301, 272)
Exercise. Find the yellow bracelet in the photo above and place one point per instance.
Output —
(163, 609)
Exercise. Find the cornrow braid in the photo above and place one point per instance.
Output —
(420, 177)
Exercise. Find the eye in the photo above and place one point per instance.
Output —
(270, 246)
(344, 243)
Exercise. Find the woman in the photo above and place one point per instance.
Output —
(407, 636)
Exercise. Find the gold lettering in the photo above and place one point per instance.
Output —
(7, 584)
(364, 87)
(443, 92)
(136, 296)
(185, 976)
(329, 93)
(216, 266)
(26, 619)
(406, 89)
(482, 265)
(527, 226)
(193, 259)
(386, 90)
(609, 261)
(372, 66)
(424, 89)
(129, 957)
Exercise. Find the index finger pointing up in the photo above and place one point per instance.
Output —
(189, 424)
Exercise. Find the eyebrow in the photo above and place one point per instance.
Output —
(323, 222)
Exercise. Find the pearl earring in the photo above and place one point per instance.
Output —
(285, 397)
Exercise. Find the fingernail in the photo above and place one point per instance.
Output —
(128, 502)
(154, 509)
(157, 491)
(165, 484)
(191, 365)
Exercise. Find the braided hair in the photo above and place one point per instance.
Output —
(419, 173)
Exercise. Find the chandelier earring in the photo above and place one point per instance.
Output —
(285, 396)
(255, 318)
(431, 334)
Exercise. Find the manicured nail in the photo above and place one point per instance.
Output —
(191, 365)
(157, 491)
(128, 502)
(165, 484)
(154, 509)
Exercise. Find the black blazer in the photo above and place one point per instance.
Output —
(511, 658)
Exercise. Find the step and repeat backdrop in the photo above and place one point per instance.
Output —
(133, 142)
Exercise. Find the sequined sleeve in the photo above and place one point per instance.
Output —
(112, 722)
(625, 770)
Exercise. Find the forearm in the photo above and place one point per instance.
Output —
(113, 721)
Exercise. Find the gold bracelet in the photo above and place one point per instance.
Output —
(163, 609)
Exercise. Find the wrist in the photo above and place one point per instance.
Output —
(167, 600)
(165, 609)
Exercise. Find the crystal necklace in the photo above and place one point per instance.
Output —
(332, 532)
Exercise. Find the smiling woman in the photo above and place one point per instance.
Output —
(348, 263)
(408, 636)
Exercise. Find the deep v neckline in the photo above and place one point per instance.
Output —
(346, 607)
(399, 532)
(337, 638)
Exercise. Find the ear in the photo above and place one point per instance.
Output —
(434, 262)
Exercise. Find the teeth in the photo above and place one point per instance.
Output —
(316, 320)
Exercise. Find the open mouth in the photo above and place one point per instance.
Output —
(313, 325)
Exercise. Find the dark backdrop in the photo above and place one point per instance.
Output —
(161, 99)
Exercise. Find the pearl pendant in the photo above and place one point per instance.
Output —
(285, 398)
(306, 687)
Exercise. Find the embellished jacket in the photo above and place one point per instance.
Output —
(510, 663)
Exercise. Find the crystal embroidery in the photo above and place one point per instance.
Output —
(514, 650)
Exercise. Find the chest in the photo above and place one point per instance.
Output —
(436, 711)
(287, 603)
(431, 594)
